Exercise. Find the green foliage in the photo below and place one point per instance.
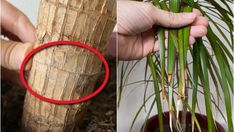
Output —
(212, 57)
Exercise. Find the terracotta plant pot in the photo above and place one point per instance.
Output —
(152, 125)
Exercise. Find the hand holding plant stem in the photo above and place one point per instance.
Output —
(137, 22)
(178, 42)
(136, 40)
(137, 37)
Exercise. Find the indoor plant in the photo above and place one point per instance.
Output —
(213, 61)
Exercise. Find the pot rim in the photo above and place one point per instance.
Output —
(200, 118)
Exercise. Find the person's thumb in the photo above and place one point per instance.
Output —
(172, 20)
(13, 53)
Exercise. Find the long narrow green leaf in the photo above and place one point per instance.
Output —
(220, 55)
(223, 68)
(211, 63)
(136, 82)
(161, 39)
(145, 91)
(214, 103)
(222, 11)
(220, 31)
(228, 7)
(156, 91)
(196, 64)
(124, 75)
(121, 83)
(146, 69)
(205, 81)
(214, 37)
(186, 32)
(182, 66)
(174, 6)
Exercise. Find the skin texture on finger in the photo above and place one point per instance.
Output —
(137, 46)
(197, 12)
(172, 20)
(148, 42)
(13, 53)
(126, 46)
(130, 13)
(198, 31)
(191, 40)
(134, 19)
(201, 21)
(16, 22)
(131, 47)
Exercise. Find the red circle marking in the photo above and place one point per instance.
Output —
(85, 98)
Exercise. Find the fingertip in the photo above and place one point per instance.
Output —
(198, 31)
(200, 20)
(206, 21)
(197, 12)
(191, 40)
(182, 19)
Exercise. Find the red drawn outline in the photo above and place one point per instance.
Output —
(98, 90)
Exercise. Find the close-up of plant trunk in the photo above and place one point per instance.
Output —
(66, 72)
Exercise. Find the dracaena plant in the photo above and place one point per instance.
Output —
(211, 60)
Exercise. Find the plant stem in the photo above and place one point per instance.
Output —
(196, 64)
(205, 81)
(156, 90)
(161, 39)
(185, 31)
(181, 62)
(174, 6)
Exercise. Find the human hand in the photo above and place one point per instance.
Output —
(20, 32)
(136, 22)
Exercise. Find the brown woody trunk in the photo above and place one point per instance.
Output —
(66, 72)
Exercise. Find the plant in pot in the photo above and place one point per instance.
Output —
(182, 70)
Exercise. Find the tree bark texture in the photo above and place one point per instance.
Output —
(66, 72)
